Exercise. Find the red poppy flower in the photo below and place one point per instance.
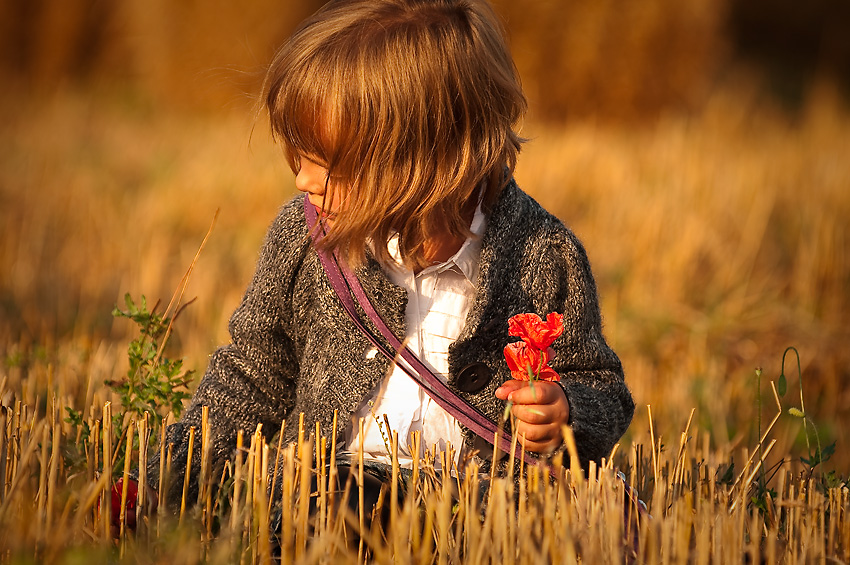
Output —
(536, 332)
(132, 497)
(529, 363)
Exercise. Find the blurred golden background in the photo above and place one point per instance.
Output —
(699, 149)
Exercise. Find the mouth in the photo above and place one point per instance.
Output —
(324, 214)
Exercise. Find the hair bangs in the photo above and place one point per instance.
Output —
(296, 101)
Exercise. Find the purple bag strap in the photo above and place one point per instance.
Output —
(347, 287)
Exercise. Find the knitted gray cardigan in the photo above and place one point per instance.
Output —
(294, 350)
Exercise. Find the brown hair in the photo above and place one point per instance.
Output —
(411, 105)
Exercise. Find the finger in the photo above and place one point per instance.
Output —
(538, 414)
(538, 433)
(539, 446)
(541, 393)
(508, 387)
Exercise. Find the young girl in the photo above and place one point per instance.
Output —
(398, 118)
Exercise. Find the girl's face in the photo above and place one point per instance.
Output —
(312, 178)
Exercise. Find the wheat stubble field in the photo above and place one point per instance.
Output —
(718, 240)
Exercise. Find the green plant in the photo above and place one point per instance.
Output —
(819, 454)
(816, 455)
(155, 385)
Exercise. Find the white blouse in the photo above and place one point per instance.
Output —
(439, 298)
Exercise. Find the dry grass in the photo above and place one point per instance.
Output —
(717, 239)
(699, 509)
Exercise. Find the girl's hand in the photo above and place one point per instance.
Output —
(540, 412)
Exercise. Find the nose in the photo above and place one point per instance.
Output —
(304, 183)
(311, 178)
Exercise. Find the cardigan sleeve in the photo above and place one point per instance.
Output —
(601, 406)
(250, 381)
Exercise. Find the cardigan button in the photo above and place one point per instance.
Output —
(473, 378)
